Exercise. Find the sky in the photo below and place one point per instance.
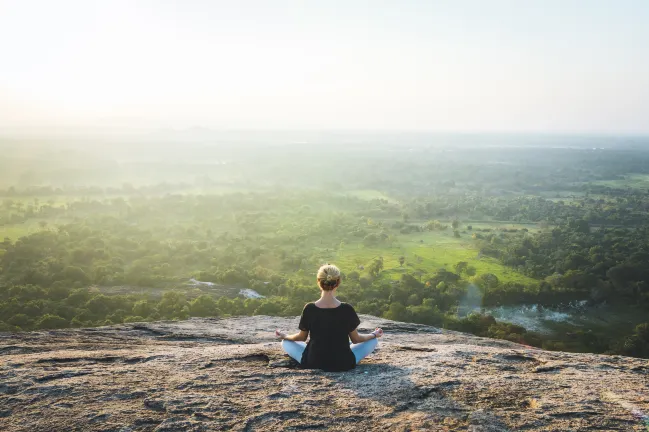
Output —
(552, 66)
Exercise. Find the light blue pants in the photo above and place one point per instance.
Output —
(360, 350)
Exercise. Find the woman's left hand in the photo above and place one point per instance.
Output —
(280, 335)
(378, 332)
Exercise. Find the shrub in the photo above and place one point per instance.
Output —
(49, 321)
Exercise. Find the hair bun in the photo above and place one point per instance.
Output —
(328, 276)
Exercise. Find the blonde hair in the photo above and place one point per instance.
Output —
(328, 277)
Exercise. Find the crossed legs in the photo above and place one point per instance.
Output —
(360, 350)
(294, 349)
(363, 349)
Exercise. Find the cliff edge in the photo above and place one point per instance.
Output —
(230, 374)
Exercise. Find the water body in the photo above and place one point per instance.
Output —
(534, 317)
(199, 283)
(250, 293)
(223, 289)
(575, 315)
(531, 316)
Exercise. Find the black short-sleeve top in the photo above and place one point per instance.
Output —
(328, 348)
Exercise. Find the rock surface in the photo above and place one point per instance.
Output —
(230, 374)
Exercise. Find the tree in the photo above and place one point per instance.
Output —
(20, 320)
(622, 275)
(78, 297)
(49, 321)
(637, 344)
(58, 291)
(173, 305)
(74, 274)
(413, 300)
(99, 306)
(402, 260)
(461, 266)
(353, 276)
(203, 306)
(8, 327)
(426, 313)
(579, 225)
(397, 312)
(455, 224)
(486, 281)
(376, 267)
(268, 307)
(143, 308)
(117, 316)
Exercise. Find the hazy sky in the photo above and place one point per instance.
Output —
(466, 65)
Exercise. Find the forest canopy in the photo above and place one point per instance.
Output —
(429, 235)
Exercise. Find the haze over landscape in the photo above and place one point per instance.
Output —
(503, 65)
(174, 173)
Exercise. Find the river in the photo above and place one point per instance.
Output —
(548, 320)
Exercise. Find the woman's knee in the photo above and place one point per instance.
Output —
(371, 345)
(293, 349)
(363, 349)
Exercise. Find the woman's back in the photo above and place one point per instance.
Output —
(331, 325)
(328, 348)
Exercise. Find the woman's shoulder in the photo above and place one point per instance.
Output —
(343, 306)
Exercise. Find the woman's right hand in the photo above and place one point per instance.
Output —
(378, 332)
(280, 334)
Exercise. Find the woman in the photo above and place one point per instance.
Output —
(331, 323)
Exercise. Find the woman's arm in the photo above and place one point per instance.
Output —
(358, 338)
(297, 337)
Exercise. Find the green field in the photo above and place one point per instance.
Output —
(425, 252)
(15, 231)
(633, 181)
(94, 250)
(370, 194)
(496, 225)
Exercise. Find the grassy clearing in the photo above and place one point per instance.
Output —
(475, 224)
(370, 194)
(561, 194)
(633, 181)
(219, 190)
(15, 231)
(55, 201)
(425, 252)
(495, 225)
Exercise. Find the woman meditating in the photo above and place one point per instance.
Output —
(331, 323)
